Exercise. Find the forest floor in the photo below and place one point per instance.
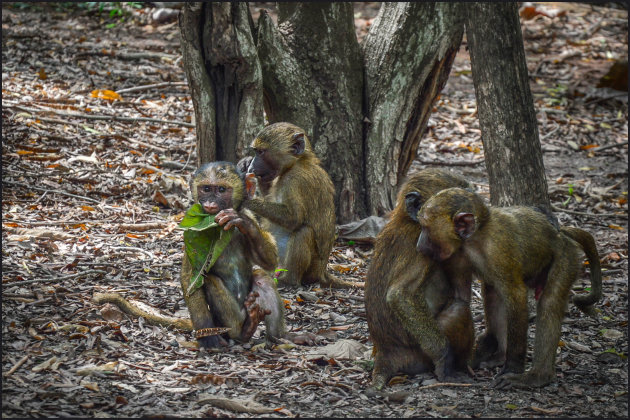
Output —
(93, 188)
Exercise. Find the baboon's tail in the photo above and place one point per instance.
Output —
(585, 302)
(133, 309)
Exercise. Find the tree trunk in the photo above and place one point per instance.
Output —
(509, 129)
(313, 77)
(409, 52)
(366, 114)
(224, 76)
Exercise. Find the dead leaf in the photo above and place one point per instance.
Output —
(110, 312)
(87, 159)
(107, 368)
(23, 234)
(33, 333)
(51, 363)
(612, 334)
(341, 268)
(109, 95)
(237, 405)
(92, 386)
(342, 349)
(159, 198)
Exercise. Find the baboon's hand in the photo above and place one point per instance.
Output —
(230, 217)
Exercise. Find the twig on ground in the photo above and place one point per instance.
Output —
(452, 163)
(609, 146)
(546, 136)
(438, 384)
(141, 143)
(581, 213)
(17, 366)
(153, 86)
(126, 56)
(95, 117)
(141, 227)
(133, 249)
(59, 222)
(71, 276)
(51, 191)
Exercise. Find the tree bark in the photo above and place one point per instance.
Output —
(313, 77)
(224, 76)
(409, 52)
(509, 129)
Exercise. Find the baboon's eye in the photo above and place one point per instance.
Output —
(222, 189)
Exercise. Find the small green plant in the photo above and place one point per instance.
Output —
(614, 351)
(570, 195)
(557, 95)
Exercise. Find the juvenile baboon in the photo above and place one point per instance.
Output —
(235, 294)
(418, 310)
(297, 206)
(512, 249)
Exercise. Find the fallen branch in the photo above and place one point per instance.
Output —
(581, 213)
(609, 146)
(452, 163)
(141, 227)
(71, 276)
(59, 222)
(133, 249)
(95, 117)
(153, 86)
(17, 366)
(51, 191)
(435, 385)
(40, 233)
(126, 56)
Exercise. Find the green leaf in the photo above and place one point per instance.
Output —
(204, 242)
(203, 248)
(196, 219)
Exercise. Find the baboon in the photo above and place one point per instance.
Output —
(418, 310)
(235, 294)
(297, 206)
(512, 249)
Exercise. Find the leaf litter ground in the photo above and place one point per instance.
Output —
(93, 189)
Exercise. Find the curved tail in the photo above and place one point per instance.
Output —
(585, 302)
(133, 309)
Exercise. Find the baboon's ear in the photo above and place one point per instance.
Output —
(297, 148)
(464, 224)
(413, 203)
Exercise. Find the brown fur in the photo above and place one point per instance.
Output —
(235, 295)
(418, 311)
(297, 205)
(512, 249)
